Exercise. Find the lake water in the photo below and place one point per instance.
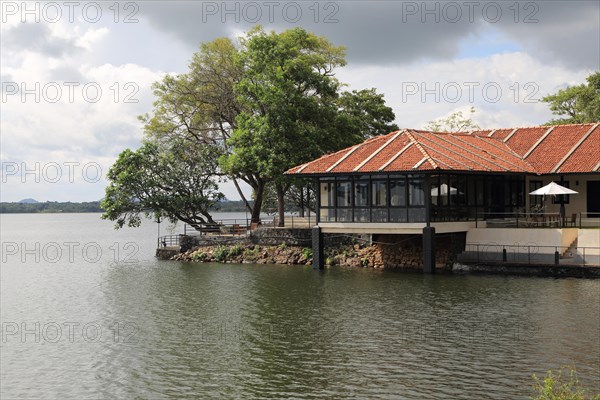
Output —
(88, 312)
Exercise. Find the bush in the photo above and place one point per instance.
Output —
(564, 386)
(251, 254)
(220, 254)
(307, 253)
(235, 250)
(200, 256)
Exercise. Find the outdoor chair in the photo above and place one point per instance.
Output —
(573, 220)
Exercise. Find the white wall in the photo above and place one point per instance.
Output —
(524, 237)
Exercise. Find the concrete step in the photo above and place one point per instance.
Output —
(571, 251)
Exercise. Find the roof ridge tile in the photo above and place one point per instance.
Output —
(422, 150)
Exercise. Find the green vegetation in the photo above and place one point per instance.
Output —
(307, 253)
(576, 104)
(235, 250)
(455, 122)
(221, 253)
(264, 104)
(171, 179)
(251, 254)
(94, 207)
(50, 207)
(200, 256)
(562, 386)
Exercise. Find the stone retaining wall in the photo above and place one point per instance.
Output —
(406, 251)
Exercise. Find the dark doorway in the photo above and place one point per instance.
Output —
(593, 197)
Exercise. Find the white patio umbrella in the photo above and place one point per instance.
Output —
(554, 189)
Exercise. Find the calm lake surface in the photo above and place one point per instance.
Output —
(88, 312)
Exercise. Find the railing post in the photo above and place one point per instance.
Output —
(556, 256)
(528, 254)
(503, 254)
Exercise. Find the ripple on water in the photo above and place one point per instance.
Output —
(248, 331)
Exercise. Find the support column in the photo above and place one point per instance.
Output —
(317, 248)
(429, 250)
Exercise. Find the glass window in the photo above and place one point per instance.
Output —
(327, 214)
(327, 194)
(379, 215)
(362, 215)
(398, 192)
(472, 190)
(361, 193)
(416, 194)
(452, 190)
(343, 194)
(535, 201)
(462, 190)
(435, 189)
(398, 215)
(344, 215)
(566, 198)
(379, 191)
(416, 214)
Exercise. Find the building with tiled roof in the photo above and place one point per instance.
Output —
(410, 179)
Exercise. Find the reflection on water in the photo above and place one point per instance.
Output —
(152, 329)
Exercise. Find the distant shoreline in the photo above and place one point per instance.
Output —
(55, 207)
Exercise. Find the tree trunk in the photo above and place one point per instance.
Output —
(302, 201)
(280, 204)
(257, 206)
(239, 190)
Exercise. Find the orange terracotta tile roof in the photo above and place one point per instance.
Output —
(539, 150)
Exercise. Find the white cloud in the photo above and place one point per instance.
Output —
(426, 91)
(384, 52)
(92, 36)
(87, 115)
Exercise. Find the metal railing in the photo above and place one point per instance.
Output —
(294, 221)
(530, 254)
(168, 241)
(538, 220)
(221, 227)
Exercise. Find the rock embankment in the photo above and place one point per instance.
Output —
(356, 255)
(351, 256)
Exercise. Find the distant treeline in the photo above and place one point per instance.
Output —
(87, 207)
(50, 207)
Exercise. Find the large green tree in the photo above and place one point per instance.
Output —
(174, 179)
(268, 101)
(576, 104)
(294, 110)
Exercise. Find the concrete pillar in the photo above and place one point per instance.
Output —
(429, 250)
(317, 248)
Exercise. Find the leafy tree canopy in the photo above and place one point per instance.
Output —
(294, 110)
(455, 122)
(264, 104)
(176, 180)
(576, 104)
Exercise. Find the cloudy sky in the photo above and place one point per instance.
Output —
(75, 75)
